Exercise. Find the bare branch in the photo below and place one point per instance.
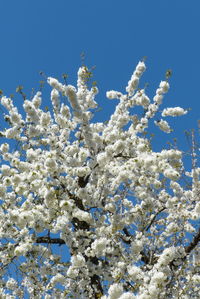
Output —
(153, 219)
(193, 244)
(50, 240)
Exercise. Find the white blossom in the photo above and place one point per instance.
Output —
(115, 291)
(112, 94)
(82, 215)
(176, 111)
(164, 86)
(22, 249)
(99, 246)
(171, 174)
(127, 295)
(54, 83)
(58, 278)
(4, 148)
(90, 209)
(78, 261)
(133, 82)
(163, 125)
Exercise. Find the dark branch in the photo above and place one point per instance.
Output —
(78, 224)
(96, 283)
(49, 240)
(128, 235)
(193, 244)
(82, 181)
(77, 201)
(153, 219)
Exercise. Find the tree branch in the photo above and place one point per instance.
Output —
(193, 244)
(50, 240)
(154, 217)
(77, 200)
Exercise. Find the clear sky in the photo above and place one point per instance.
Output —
(50, 35)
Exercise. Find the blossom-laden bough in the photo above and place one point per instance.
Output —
(100, 193)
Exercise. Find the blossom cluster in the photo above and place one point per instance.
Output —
(114, 206)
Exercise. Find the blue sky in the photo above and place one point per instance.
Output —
(50, 35)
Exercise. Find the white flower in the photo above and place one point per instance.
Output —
(158, 277)
(2, 191)
(163, 125)
(78, 260)
(135, 272)
(158, 98)
(7, 181)
(70, 92)
(196, 278)
(12, 133)
(82, 171)
(50, 163)
(37, 99)
(4, 148)
(15, 117)
(55, 84)
(171, 227)
(65, 111)
(11, 284)
(102, 159)
(127, 295)
(16, 179)
(49, 195)
(31, 110)
(61, 224)
(21, 249)
(112, 94)
(171, 174)
(141, 99)
(153, 290)
(197, 208)
(58, 278)
(99, 246)
(171, 154)
(176, 111)
(7, 103)
(164, 85)
(189, 228)
(133, 83)
(55, 99)
(167, 256)
(115, 291)
(72, 272)
(110, 207)
(5, 170)
(82, 215)
(45, 119)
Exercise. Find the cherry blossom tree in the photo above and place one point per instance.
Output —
(124, 223)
